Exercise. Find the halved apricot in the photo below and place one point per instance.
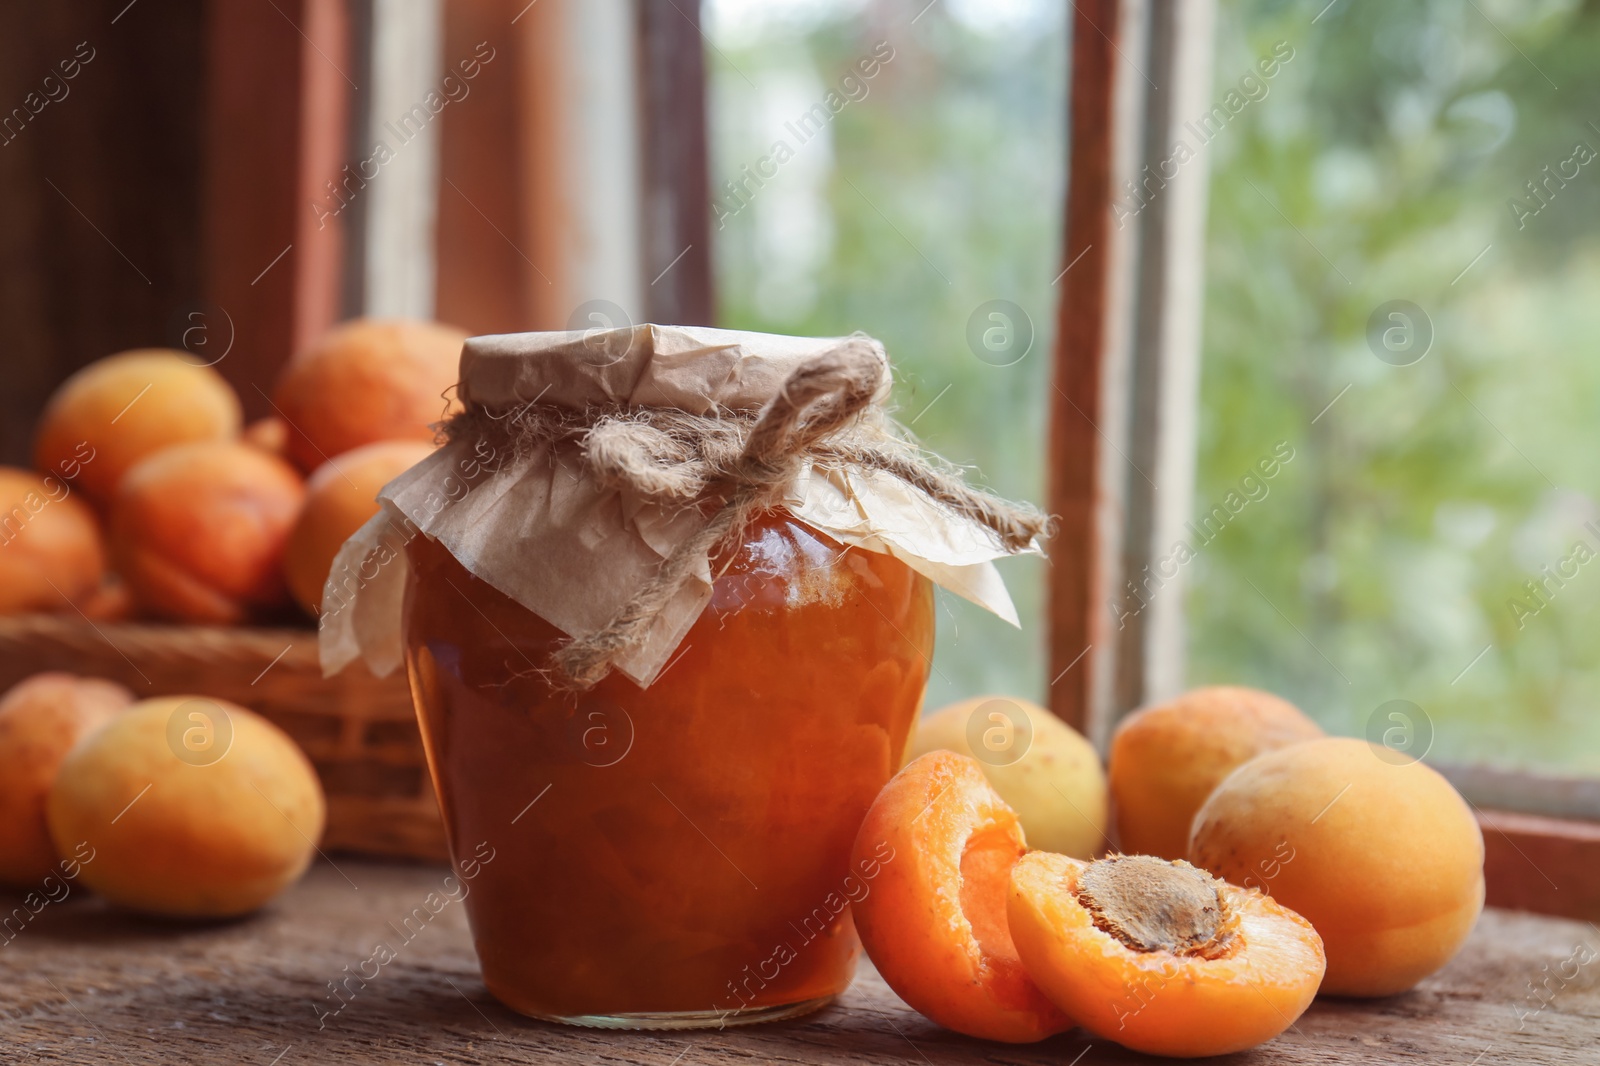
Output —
(935, 921)
(1160, 956)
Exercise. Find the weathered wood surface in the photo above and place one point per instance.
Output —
(83, 984)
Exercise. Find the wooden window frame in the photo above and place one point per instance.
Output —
(1122, 422)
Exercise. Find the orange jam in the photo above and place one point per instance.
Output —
(678, 855)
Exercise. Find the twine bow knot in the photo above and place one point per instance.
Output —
(740, 465)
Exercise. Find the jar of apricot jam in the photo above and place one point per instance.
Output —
(674, 856)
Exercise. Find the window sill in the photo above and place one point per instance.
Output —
(81, 983)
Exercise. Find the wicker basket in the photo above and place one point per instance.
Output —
(359, 731)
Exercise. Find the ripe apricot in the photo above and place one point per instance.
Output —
(1166, 759)
(41, 718)
(1043, 768)
(935, 922)
(193, 807)
(340, 496)
(51, 553)
(366, 381)
(114, 412)
(1382, 855)
(1159, 956)
(198, 530)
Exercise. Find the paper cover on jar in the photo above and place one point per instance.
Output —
(534, 524)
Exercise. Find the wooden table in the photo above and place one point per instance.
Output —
(83, 984)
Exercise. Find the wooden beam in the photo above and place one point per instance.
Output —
(1539, 864)
(1127, 357)
(675, 165)
(278, 98)
(1089, 370)
(99, 157)
(487, 269)
(1167, 209)
(396, 249)
(540, 216)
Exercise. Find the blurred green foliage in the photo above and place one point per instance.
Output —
(1428, 494)
(1384, 163)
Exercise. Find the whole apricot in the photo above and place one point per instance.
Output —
(340, 496)
(1159, 956)
(1379, 853)
(41, 718)
(366, 381)
(51, 553)
(198, 530)
(1166, 759)
(943, 843)
(192, 807)
(114, 412)
(1043, 768)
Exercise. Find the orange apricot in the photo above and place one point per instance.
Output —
(41, 718)
(1160, 956)
(198, 530)
(1166, 759)
(189, 807)
(340, 496)
(935, 922)
(366, 381)
(114, 412)
(51, 554)
(1379, 852)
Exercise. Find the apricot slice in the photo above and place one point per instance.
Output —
(1166, 758)
(1160, 956)
(935, 922)
(1380, 853)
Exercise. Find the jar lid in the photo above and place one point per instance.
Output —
(527, 496)
(696, 369)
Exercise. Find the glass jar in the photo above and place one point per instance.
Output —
(674, 856)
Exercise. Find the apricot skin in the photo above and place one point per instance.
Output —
(366, 381)
(1384, 858)
(934, 923)
(340, 496)
(1158, 1002)
(198, 531)
(1166, 759)
(41, 718)
(187, 838)
(51, 552)
(1056, 786)
(122, 408)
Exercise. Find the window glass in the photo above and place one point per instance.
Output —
(1402, 263)
(901, 172)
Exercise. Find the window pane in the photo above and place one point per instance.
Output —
(881, 170)
(1402, 266)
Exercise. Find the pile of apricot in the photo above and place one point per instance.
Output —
(149, 497)
(180, 806)
(1261, 863)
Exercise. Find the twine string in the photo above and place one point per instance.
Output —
(737, 466)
